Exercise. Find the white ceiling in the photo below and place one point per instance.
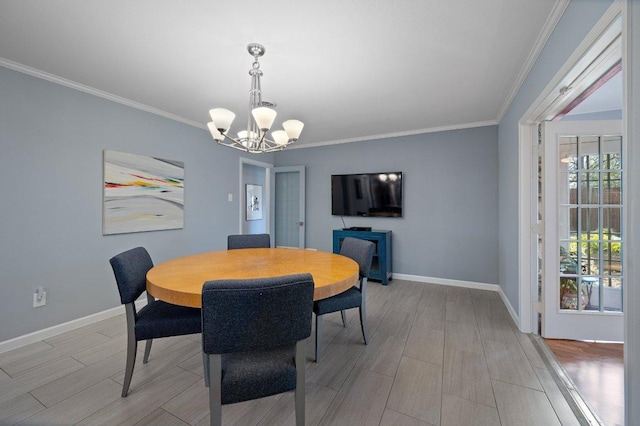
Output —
(350, 70)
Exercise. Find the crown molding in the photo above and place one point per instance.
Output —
(397, 134)
(95, 92)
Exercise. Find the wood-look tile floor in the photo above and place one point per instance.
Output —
(437, 355)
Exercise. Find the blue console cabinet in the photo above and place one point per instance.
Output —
(381, 266)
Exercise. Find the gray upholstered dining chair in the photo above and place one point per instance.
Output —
(362, 252)
(248, 241)
(156, 319)
(253, 339)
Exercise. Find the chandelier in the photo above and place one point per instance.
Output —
(261, 117)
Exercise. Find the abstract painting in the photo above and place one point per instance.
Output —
(141, 193)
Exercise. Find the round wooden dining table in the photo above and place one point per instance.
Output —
(179, 281)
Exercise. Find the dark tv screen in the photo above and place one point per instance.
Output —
(367, 194)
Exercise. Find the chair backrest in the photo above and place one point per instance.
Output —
(361, 251)
(263, 313)
(248, 241)
(130, 268)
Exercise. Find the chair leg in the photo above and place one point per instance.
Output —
(363, 322)
(132, 349)
(363, 308)
(318, 336)
(300, 381)
(147, 346)
(147, 351)
(214, 362)
(344, 318)
(205, 366)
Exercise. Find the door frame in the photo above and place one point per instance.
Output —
(551, 101)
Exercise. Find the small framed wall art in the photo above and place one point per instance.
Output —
(254, 202)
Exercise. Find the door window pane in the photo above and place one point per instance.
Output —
(589, 149)
(589, 223)
(589, 187)
(591, 293)
(611, 188)
(612, 295)
(568, 293)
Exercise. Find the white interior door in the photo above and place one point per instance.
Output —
(288, 218)
(583, 280)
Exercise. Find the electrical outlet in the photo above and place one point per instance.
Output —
(41, 301)
(229, 197)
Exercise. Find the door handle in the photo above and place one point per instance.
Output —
(300, 223)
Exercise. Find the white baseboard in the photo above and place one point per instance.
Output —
(466, 284)
(512, 312)
(446, 281)
(36, 336)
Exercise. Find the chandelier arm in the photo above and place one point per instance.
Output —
(228, 137)
(265, 144)
(272, 142)
(234, 143)
(262, 138)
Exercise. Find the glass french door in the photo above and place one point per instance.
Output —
(584, 241)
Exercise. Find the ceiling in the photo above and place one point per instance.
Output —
(350, 70)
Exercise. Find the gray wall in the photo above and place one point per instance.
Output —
(52, 139)
(449, 228)
(573, 27)
(51, 143)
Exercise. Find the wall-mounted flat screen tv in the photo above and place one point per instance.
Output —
(367, 194)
